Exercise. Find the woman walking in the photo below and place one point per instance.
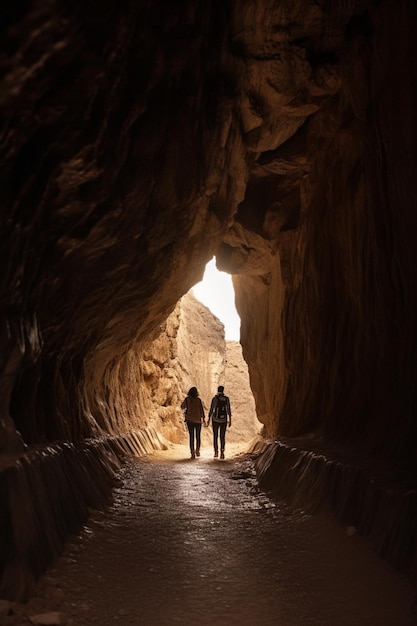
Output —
(194, 417)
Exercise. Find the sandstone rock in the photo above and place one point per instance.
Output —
(201, 348)
(245, 424)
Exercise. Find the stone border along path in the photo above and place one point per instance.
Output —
(196, 542)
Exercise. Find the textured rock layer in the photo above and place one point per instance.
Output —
(47, 494)
(361, 495)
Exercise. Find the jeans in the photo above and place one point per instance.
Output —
(219, 428)
(194, 428)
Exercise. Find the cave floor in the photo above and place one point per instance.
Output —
(196, 542)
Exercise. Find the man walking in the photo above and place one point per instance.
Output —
(220, 412)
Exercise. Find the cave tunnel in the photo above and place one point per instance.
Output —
(138, 141)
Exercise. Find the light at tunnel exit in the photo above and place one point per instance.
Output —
(216, 292)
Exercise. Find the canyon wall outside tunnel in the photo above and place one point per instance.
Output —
(137, 142)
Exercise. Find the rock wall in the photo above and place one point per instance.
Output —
(323, 244)
(245, 423)
(111, 152)
(48, 493)
(201, 349)
(309, 474)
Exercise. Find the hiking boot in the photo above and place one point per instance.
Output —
(222, 454)
(216, 454)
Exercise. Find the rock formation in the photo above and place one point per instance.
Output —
(237, 386)
(201, 349)
(191, 350)
(138, 141)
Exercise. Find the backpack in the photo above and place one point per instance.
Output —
(221, 409)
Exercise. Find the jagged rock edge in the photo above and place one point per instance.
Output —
(383, 511)
(47, 495)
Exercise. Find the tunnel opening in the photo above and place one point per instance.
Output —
(223, 362)
(127, 186)
(216, 291)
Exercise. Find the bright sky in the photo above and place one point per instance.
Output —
(217, 293)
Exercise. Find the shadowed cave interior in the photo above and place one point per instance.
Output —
(142, 139)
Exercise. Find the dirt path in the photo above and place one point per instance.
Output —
(195, 542)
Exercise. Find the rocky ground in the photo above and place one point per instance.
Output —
(196, 542)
